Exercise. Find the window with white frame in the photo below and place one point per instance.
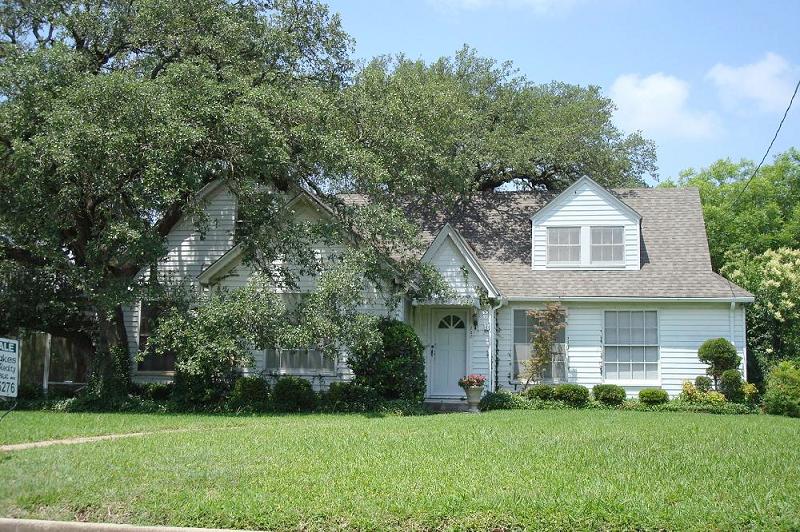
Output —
(563, 245)
(631, 345)
(607, 245)
(149, 314)
(306, 360)
(524, 331)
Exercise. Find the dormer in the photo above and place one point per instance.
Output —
(586, 227)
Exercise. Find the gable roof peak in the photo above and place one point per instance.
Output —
(601, 190)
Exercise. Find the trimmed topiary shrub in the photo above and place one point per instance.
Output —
(542, 392)
(713, 398)
(503, 400)
(293, 394)
(783, 390)
(350, 397)
(571, 394)
(609, 394)
(250, 394)
(397, 370)
(703, 383)
(720, 355)
(730, 384)
(653, 396)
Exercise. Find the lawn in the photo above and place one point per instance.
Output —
(538, 469)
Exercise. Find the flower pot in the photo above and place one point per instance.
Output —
(474, 397)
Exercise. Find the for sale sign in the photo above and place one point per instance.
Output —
(9, 367)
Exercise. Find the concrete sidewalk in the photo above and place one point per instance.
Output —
(34, 525)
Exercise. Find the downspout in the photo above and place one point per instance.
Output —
(493, 344)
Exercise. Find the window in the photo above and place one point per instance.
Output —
(524, 330)
(631, 345)
(305, 360)
(608, 244)
(299, 361)
(148, 321)
(563, 245)
(451, 322)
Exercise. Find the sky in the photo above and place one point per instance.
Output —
(704, 80)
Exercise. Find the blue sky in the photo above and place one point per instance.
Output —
(704, 80)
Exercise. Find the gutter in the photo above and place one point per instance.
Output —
(493, 343)
(743, 299)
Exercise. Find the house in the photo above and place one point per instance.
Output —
(631, 268)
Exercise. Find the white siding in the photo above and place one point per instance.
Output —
(683, 327)
(585, 208)
(449, 261)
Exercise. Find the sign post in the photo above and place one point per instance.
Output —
(9, 369)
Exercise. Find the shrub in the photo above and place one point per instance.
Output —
(397, 370)
(783, 390)
(713, 398)
(250, 393)
(350, 397)
(293, 394)
(730, 384)
(690, 393)
(157, 391)
(571, 394)
(750, 392)
(503, 400)
(653, 396)
(720, 355)
(703, 383)
(542, 392)
(609, 394)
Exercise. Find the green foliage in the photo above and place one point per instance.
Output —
(703, 383)
(293, 394)
(571, 394)
(250, 393)
(750, 392)
(478, 123)
(609, 394)
(503, 400)
(681, 405)
(720, 355)
(350, 397)
(549, 322)
(653, 396)
(157, 391)
(730, 384)
(783, 390)
(773, 321)
(543, 392)
(395, 369)
(213, 340)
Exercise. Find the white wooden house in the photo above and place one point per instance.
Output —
(631, 267)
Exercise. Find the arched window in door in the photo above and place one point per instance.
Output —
(451, 322)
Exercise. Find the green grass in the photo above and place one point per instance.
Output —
(537, 469)
(28, 426)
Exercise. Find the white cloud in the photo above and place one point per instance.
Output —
(768, 83)
(538, 6)
(657, 105)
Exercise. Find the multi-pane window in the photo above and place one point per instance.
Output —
(299, 361)
(563, 245)
(305, 360)
(631, 345)
(148, 321)
(607, 244)
(524, 331)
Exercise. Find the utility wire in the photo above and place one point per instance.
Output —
(780, 125)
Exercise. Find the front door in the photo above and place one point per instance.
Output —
(447, 360)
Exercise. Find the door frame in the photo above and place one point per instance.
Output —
(463, 312)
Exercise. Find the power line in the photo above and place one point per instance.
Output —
(780, 125)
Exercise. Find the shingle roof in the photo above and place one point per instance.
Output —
(674, 251)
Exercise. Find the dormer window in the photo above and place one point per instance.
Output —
(563, 245)
(608, 245)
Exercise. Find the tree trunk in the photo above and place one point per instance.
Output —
(110, 375)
